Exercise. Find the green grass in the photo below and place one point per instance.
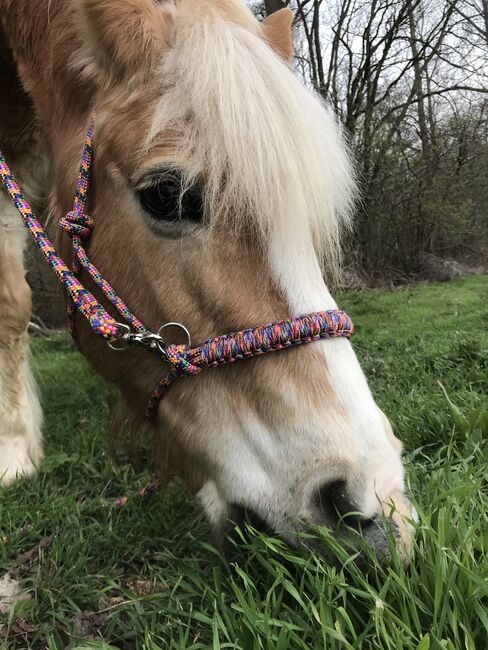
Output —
(81, 580)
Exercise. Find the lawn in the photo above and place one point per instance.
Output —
(147, 576)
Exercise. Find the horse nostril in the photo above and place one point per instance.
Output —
(337, 509)
(333, 501)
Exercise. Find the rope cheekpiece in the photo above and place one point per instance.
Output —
(184, 361)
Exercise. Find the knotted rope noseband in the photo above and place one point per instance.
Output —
(183, 360)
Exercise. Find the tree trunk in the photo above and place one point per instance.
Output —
(274, 5)
(485, 16)
(419, 92)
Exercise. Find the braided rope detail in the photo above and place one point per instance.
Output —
(99, 319)
(249, 343)
(79, 225)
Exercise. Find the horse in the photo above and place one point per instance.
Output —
(220, 187)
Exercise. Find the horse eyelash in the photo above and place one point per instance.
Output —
(157, 176)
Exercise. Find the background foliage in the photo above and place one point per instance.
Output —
(408, 80)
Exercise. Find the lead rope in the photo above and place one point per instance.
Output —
(183, 360)
(79, 224)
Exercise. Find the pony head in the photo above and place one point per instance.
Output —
(222, 186)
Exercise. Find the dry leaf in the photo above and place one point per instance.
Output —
(10, 593)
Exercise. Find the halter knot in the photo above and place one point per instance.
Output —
(181, 361)
(77, 223)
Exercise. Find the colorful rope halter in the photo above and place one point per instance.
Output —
(183, 360)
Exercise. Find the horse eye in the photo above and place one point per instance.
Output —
(167, 201)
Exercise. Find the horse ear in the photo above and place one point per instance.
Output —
(123, 35)
(278, 32)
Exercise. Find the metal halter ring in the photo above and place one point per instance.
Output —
(179, 326)
(146, 340)
(124, 339)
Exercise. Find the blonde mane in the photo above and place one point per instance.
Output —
(270, 151)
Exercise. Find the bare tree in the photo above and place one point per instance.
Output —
(395, 72)
(274, 5)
